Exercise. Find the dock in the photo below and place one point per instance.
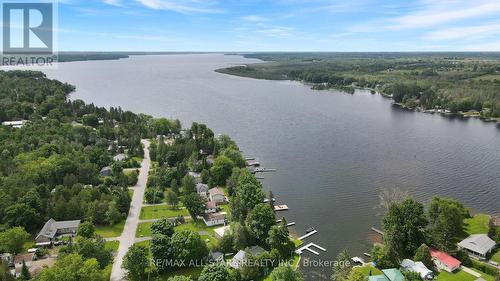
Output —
(308, 234)
(378, 231)
(309, 247)
(280, 208)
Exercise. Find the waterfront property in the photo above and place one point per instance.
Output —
(196, 177)
(53, 229)
(391, 274)
(119, 157)
(478, 245)
(202, 189)
(210, 207)
(105, 171)
(240, 257)
(418, 267)
(444, 261)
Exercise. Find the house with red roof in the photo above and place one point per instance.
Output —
(444, 261)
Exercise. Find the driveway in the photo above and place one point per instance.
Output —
(127, 238)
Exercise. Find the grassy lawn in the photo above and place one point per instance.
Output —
(112, 245)
(206, 233)
(191, 272)
(143, 229)
(110, 231)
(367, 269)
(457, 276)
(131, 192)
(484, 275)
(161, 211)
(496, 256)
(145, 244)
(478, 224)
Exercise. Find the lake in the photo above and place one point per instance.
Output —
(334, 152)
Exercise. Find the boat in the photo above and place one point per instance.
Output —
(310, 229)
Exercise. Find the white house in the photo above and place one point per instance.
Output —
(196, 176)
(478, 245)
(418, 267)
(217, 195)
(240, 258)
(212, 219)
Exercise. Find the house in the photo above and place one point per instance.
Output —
(217, 195)
(240, 257)
(212, 219)
(119, 157)
(210, 207)
(202, 189)
(220, 231)
(7, 259)
(216, 257)
(418, 267)
(196, 176)
(15, 124)
(53, 229)
(443, 261)
(478, 245)
(106, 171)
(392, 274)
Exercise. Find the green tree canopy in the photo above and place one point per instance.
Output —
(260, 220)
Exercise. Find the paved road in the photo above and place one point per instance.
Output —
(127, 238)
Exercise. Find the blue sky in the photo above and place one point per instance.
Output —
(279, 25)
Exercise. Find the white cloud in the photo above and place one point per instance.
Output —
(254, 18)
(117, 3)
(182, 6)
(433, 13)
(468, 32)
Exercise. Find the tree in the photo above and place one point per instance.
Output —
(161, 250)
(12, 240)
(464, 257)
(136, 263)
(235, 156)
(260, 220)
(215, 272)
(94, 248)
(174, 186)
(412, 276)
(249, 195)
(172, 199)
(188, 185)
(162, 226)
(25, 273)
(286, 273)
(5, 273)
(424, 256)
(179, 278)
(153, 195)
(221, 170)
(446, 221)
(72, 267)
(188, 246)
(113, 216)
(404, 226)
(341, 266)
(22, 215)
(356, 275)
(225, 244)
(90, 120)
(240, 236)
(383, 258)
(86, 229)
(195, 204)
(279, 239)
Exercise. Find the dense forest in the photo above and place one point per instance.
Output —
(463, 83)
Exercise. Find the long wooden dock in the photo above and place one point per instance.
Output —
(308, 247)
(308, 234)
(378, 231)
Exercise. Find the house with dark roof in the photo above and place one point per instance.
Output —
(53, 229)
(106, 171)
(202, 189)
(478, 245)
(444, 261)
(240, 257)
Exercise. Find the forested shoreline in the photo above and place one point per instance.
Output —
(457, 83)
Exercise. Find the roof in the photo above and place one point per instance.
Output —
(51, 226)
(211, 205)
(214, 216)
(241, 255)
(222, 230)
(201, 187)
(377, 278)
(255, 250)
(119, 157)
(393, 274)
(216, 191)
(478, 243)
(216, 256)
(418, 267)
(194, 174)
(444, 258)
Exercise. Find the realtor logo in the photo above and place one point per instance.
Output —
(27, 28)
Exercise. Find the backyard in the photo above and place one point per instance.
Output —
(162, 211)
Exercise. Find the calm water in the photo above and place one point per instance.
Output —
(334, 152)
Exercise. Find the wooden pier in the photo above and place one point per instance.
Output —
(280, 208)
(378, 231)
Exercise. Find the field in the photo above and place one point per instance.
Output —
(110, 231)
(478, 224)
(161, 211)
(112, 245)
